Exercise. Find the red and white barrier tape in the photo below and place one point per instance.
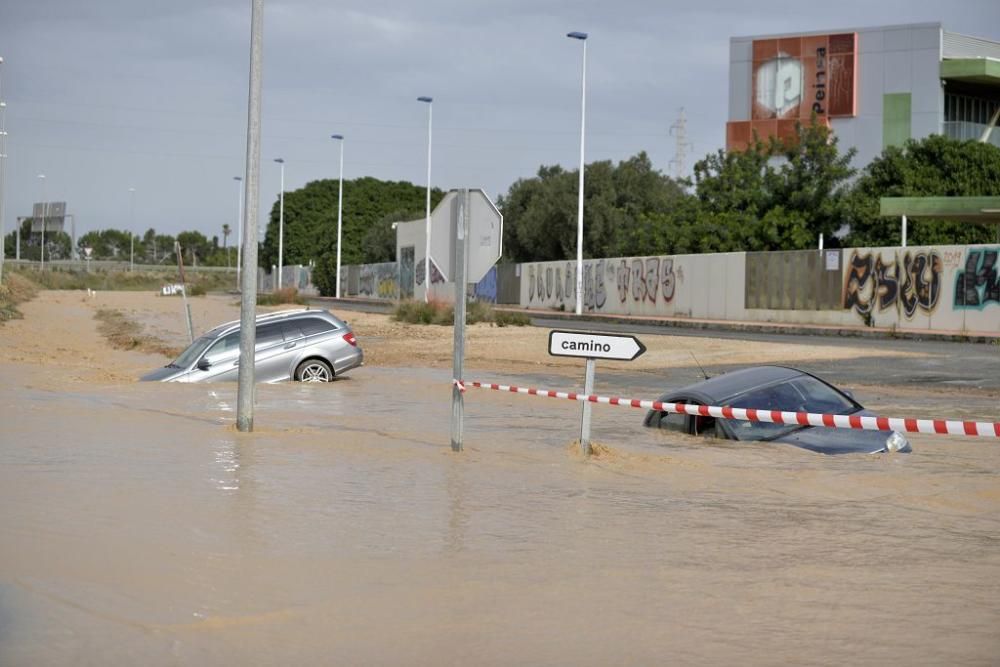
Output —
(937, 426)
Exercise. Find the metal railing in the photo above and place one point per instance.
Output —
(963, 130)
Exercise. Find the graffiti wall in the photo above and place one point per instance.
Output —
(683, 285)
(379, 281)
(953, 289)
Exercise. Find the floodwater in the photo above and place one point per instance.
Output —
(138, 527)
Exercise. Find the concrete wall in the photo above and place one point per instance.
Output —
(946, 288)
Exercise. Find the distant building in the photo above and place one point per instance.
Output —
(875, 87)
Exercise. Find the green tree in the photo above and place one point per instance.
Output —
(775, 195)
(310, 233)
(379, 242)
(540, 213)
(934, 166)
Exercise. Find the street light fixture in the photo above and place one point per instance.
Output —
(41, 180)
(131, 231)
(340, 204)
(582, 36)
(281, 221)
(239, 228)
(429, 101)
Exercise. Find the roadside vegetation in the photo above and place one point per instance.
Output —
(57, 278)
(436, 312)
(123, 333)
(16, 289)
(279, 297)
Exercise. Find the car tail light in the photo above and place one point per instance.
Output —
(349, 337)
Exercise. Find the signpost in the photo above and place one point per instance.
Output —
(592, 346)
(476, 233)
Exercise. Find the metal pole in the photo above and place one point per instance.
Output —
(248, 301)
(44, 211)
(281, 223)
(904, 231)
(579, 206)
(239, 228)
(184, 289)
(457, 398)
(340, 207)
(3, 171)
(588, 389)
(427, 249)
(131, 233)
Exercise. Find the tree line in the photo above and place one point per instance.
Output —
(776, 195)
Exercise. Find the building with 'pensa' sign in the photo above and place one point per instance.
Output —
(875, 87)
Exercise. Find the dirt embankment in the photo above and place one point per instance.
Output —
(59, 332)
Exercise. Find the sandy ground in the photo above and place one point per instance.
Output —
(59, 332)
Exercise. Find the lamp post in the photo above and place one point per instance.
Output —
(281, 221)
(239, 228)
(131, 231)
(3, 171)
(340, 204)
(41, 180)
(582, 36)
(427, 251)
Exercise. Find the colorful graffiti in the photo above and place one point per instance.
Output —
(436, 276)
(979, 284)
(486, 289)
(644, 278)
(379, 281)
(641, 280)
(907, 283)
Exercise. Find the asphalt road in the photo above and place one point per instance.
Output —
(974, 366)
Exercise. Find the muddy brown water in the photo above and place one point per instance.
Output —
(137, 527)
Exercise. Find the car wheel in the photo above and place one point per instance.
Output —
(314, 370)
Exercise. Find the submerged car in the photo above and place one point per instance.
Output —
(775, 388)
(304, 345)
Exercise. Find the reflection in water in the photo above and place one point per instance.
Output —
(140, 527)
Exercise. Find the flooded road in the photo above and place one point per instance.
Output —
(138, 527)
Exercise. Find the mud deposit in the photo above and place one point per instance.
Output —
(138, 527)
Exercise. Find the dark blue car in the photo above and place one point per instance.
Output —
(775, 388)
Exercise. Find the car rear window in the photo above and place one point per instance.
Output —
(314, 325)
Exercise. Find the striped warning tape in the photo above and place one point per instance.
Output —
(938, 426)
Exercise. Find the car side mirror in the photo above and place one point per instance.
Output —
(204, 364)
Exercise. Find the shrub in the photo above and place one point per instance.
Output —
(435, 312)
(281, 296)
(14, 290)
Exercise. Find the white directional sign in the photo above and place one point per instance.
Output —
(594, 346)
(485, 234)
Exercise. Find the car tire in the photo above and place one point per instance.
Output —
(314, 370)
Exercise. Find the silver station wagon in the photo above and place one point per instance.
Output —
(304, 345)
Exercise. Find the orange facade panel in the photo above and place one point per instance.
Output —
(796, 77)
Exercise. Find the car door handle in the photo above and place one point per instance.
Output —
(289, 346)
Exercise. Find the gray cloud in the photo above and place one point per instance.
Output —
(112, 94)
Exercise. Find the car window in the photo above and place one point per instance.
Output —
(801, 394)
(292, 330)
(227, 346)
(192, 353)
(315, 325)
(670, 421)
(269, 334)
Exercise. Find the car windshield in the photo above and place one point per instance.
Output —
(801, 394)
(190, 355)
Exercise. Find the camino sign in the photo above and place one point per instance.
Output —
(594, 346)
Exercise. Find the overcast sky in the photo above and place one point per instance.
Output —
(107, 95)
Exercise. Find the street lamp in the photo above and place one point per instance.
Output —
(3, 171)
(427, 252)
(281, 221)
(239, 228)
(582, 36)
(41, 180)
(131, 231)
(340, 204)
